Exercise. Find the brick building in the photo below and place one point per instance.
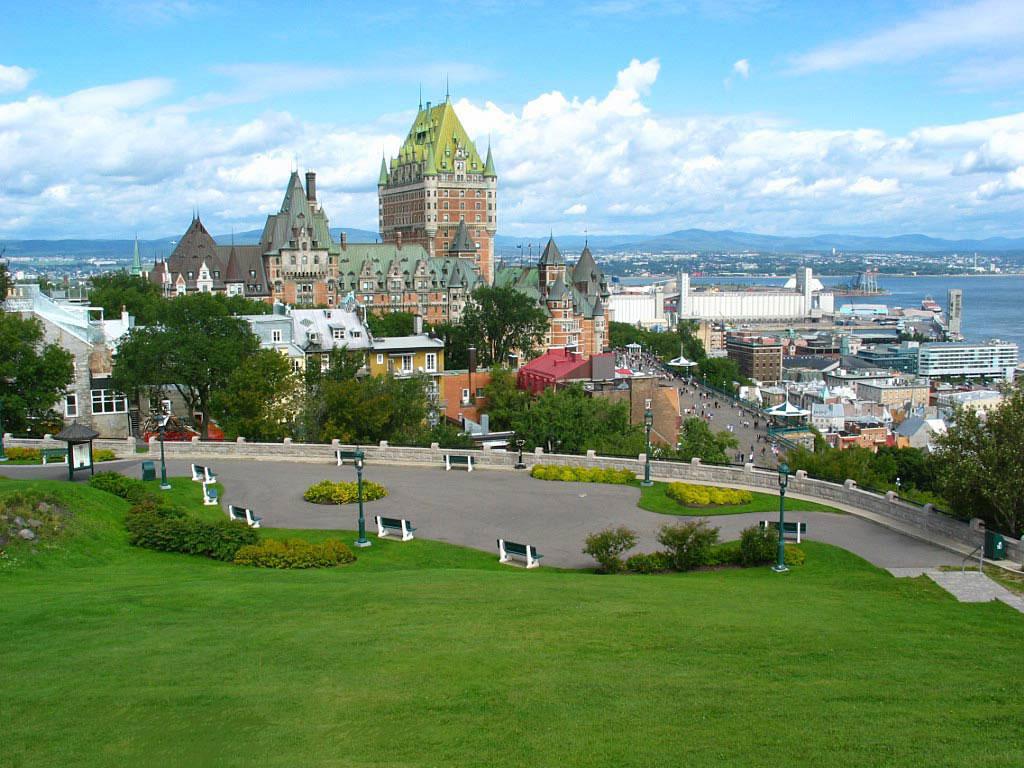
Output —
(758, 357)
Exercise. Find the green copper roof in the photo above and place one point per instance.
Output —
(136, 260)
(383, 172)
(489, 164)
(435, 135)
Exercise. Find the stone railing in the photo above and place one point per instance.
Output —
(928, 523)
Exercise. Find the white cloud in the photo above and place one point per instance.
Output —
(14, 78)
(977, 25)
(112, 159)
(742, 68)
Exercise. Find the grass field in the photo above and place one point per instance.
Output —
(424, 654)
(654, 499)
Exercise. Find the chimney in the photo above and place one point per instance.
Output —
(344, 241)
(472, 359)
(398, 240)
(417, 325)
(311, 186)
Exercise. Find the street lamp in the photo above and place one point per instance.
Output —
(3, 456)
(780, 565)
(362, 541)
(519, 444)
(648, 423)
(164, 485)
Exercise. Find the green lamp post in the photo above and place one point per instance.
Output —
(3, 456)
(164, 485)
(780, 565)
(362, 541)
(648, 423)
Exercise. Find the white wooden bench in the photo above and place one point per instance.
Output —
(453, 460)
(210, 495)
(201, 474)
(343, 455)
(396, 526)
(789, 530)
(525, 552)
(245, 515)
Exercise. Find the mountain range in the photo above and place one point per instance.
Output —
(686, 240)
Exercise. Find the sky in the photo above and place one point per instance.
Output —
(610, 116)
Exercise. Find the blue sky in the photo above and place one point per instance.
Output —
(611, 116)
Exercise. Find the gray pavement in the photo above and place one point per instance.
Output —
(695, 401)
(475, 509)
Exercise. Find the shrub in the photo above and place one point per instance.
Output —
(795, 555)
(126, 487)
(726, 554)
(155, 526)
(23, 454)
(606, 546)
(329, 492)
(294, 553)
(103, 454)
(582, 474)
(758, 546)
(648, 562)
(689, 543)
(706, 495)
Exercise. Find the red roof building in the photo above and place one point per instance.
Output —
(558, 366)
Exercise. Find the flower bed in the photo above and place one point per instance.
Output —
(582, 474)
(706, 495)
(329, 492)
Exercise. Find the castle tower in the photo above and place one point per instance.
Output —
(437, 181)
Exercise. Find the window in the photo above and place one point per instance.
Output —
(465, 396)
(297, 364)
(431, 362)
(339, 334)
(70, 405)
(275, 336)
(406, 363)
(108, 401)
(356, 334)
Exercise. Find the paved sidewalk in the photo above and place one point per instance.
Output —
(966, 586)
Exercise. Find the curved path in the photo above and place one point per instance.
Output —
(474, 509)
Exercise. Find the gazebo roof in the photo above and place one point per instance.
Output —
(77, 433)
(785, 408)
(681, 362)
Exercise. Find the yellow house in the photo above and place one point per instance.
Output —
(406, 356)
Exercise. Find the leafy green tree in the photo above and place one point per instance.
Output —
(457, 342)
(505, 402)
(5, 283)
(260, 399)
(138, 295)
(696, 440)
(692, 347)
(662, 344)
(720, 372)
(342, 365)
(981, 464)
(33, 375)
(196, 349)
(499, 321)
(373, 408)
(384, 325)
(241, 305)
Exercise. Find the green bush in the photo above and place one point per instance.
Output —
(795, 555)
(688, 543)
(725, 554)
(706, 495)
(154, 526)
(294, 553)
(648, 562)
(582, 474)
(329, 492)
(15, 453)
(606, 547)
(758, 546)
(103, 454)
(127, 488)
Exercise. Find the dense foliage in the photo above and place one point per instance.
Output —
(661, 344)
(259, 399)
(688, 544)
(330, 492)
(33, 376)
(386, 324)
(758, 546)
(980, 465)
(582, 474)
(916, 470)
(498, 321)
(706, 495)
(721, 372)
(607, 547)
(696, 440)
(294, 553)
(167, 529)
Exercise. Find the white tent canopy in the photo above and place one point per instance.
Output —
(785, 408)
(681, 362)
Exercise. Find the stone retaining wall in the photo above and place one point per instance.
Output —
(924, 519)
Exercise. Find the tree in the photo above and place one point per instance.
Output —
(33, 375)
(663, 345)
(5, 282)
(456, 345)
(505, 401)
(139, 296)
(696, 440)
(386, 325)
(260, 399)
(342, 365)
(980, 464)
(196, 350)
(373, 408)
(499, 321)
(720, 372)
(692, 347)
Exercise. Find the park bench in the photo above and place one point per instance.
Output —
(452, 460)
(243, 514)
(210, 495)
(51, 454)
(394, 525)
(525, 552)
(794, 530)
(343, 456)
(201, 474)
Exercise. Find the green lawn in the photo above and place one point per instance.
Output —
(424, 654)
(654, 499)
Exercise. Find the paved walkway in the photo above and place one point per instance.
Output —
(695, 401)
(475, 509)
(966, 586)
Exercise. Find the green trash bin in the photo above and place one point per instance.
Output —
(148, 470)
(995, 546)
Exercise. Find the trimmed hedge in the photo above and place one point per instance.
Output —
(294, 553)
(152, 525)
(706, 495)
(14, 453)
(127, 488)
(648, 562)
(329, 492)
(582, 474)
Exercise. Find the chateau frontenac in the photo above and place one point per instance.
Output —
(438, 217)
